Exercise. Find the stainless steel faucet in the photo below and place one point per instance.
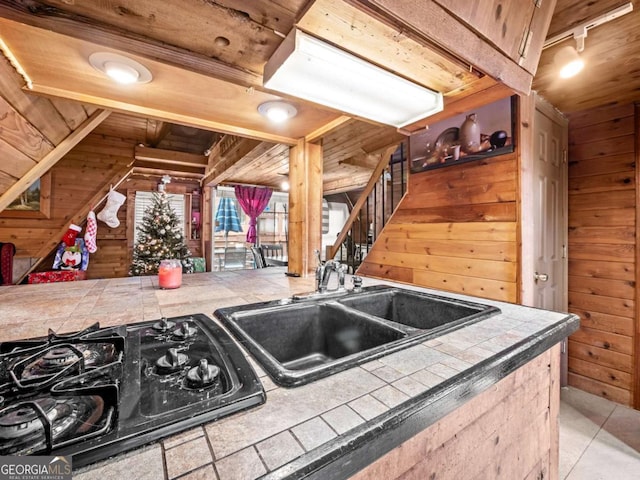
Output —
(323, 274)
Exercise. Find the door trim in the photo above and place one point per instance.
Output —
(528, 107)
(636, 343)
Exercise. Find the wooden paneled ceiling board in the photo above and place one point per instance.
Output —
(207, 59)
(344, 25)
(58, 66)
(253, 29)
(611, 54)
(269, 168)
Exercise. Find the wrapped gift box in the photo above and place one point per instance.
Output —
(198, 264)
(57, 276)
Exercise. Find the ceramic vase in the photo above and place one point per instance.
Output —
(470, 134)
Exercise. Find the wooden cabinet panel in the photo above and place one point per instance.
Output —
(508, 432)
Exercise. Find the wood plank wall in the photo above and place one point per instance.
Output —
(456, 230)
(75, 179)
(602, 250)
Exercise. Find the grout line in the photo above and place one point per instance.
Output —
(295, 437)
(212, 452)
(590, 441)
(255, 448)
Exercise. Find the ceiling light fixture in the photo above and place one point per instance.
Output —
(568, 61)
(277, 111)
(119, 68)
(308, 68)
(579, 32)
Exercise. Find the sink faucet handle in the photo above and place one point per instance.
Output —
(357, 283)
(317, 254)
(342, 270)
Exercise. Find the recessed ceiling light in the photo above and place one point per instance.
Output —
(277, 111)
(119, 68)
(121, 73)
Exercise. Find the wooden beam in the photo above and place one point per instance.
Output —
(47, 17)
(156, 131)
(343, 185)
(159, 172)
(368, 162)
(305, 206)
(169, 168)
(153, 112)
(355, 211)
(327, 128)
(242, 154)
(52, 157)
(170, 156)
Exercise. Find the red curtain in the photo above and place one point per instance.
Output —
(253, 201)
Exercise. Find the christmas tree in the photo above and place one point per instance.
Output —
(159, 237)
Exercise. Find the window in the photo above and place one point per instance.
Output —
(145, 199)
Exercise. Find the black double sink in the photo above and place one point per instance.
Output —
(300, 341)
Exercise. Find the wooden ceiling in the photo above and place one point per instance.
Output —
(612, 58)
(207, 60)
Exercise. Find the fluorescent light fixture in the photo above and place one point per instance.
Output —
(277, 111)
(306, 67)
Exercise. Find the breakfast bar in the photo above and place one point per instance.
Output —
(440, 407)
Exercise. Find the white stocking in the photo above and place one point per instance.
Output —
(109, 213)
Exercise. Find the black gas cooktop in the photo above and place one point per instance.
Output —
(101, 391)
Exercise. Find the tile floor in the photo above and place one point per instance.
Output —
(599, 439)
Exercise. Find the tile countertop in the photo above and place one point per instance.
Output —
(298, 430)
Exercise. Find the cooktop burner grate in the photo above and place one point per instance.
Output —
(102, 391)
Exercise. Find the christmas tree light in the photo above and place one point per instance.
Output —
(159, 238)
